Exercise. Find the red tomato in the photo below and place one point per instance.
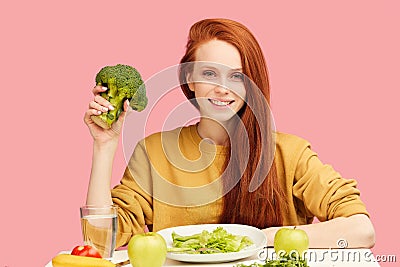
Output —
(87, 251)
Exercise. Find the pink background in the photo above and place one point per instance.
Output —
(334, 69)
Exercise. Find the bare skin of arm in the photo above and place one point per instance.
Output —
(357, 230)
(105, 143)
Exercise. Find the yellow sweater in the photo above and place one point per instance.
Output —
(161, 188)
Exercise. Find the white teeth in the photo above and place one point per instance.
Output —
(220, 103)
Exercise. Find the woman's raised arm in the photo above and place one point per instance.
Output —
(105, 143)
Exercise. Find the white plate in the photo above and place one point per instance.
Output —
(256, 235)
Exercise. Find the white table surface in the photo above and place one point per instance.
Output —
(316, 258)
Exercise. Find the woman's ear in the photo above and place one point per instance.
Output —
(189, 81)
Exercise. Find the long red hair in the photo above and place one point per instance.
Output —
(265, 206)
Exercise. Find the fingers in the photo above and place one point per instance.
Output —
(127, 107)
(127, 110)
(100, 104)
(87, 118)
(97, 108)
(98, 89)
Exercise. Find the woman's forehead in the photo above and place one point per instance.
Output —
(219, 52)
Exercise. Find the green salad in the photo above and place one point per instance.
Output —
(217, 241)
(281, 262)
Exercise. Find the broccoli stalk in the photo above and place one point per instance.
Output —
(116, 97)
(123, 82)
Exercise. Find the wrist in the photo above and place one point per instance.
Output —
(270, 234)
(109, 147)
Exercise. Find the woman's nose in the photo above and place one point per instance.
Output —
(221, 89)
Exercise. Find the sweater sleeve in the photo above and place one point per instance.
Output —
(135, 205)
(323, 191)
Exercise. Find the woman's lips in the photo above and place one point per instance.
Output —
(220, 103)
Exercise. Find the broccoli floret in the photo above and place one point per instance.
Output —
(123, 82)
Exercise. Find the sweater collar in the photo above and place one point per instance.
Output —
(204, 144)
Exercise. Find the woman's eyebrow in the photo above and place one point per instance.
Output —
(216, 68)
(208, 67)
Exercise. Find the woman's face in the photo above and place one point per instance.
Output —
(217, 80)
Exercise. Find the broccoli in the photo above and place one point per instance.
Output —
(123, 82)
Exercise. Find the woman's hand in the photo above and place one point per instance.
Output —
(357, 230)
(98, 106)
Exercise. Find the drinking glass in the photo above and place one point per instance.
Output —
(99, 228)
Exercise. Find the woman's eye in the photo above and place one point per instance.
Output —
(209, 74)
(237, 76)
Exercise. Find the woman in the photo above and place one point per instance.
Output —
(223, 73)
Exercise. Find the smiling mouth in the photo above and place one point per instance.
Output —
(220, 103)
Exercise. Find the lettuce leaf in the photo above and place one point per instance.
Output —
(217, 241)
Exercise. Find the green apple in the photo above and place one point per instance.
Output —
(147, 250)
(290, 241)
